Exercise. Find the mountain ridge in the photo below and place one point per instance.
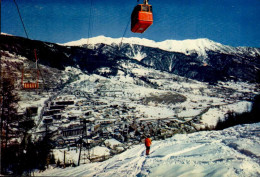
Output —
(187, 46)
(240, 64)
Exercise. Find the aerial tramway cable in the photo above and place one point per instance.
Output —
(90, 21)
(119, 46)
(90, 24)
(18, 10)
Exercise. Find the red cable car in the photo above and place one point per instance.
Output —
(141, 18)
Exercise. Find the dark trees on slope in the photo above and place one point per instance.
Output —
(19, 158)
(233, 118)
(9, 105)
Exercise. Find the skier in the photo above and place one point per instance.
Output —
(148, 143)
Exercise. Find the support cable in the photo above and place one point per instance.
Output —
(18, 10)
(120, 44)
(90, 23)
(124, 34)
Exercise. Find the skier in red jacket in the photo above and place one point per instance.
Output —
(148, 143)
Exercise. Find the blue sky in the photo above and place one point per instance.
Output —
(230, 22)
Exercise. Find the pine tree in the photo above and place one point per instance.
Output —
(8, 108)
(8, 113)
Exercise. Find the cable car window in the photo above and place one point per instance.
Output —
(151, 9)
(145, 8)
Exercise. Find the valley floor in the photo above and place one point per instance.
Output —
(232, 152)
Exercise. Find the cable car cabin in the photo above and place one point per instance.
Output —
(141, 18)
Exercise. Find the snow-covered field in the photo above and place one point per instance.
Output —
(231, 152)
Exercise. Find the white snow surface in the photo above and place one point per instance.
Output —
(232, 152)
(112, 143)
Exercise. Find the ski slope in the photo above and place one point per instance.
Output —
(232, 152)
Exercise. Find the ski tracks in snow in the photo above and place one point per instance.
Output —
(123, 165)
(217, 153)
(135, 163)
(131, 165)
(182, 151)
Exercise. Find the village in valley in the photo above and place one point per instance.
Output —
(94, 117)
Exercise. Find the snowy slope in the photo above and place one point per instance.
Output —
(199, 46)
(231, 152)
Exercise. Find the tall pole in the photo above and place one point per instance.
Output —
(80, 151)
(36, 60)
(84, 127)
(88, 144)
(64, 157)
(22, 77)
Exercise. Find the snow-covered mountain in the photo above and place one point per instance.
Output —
(199, 46)
(200, 59)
